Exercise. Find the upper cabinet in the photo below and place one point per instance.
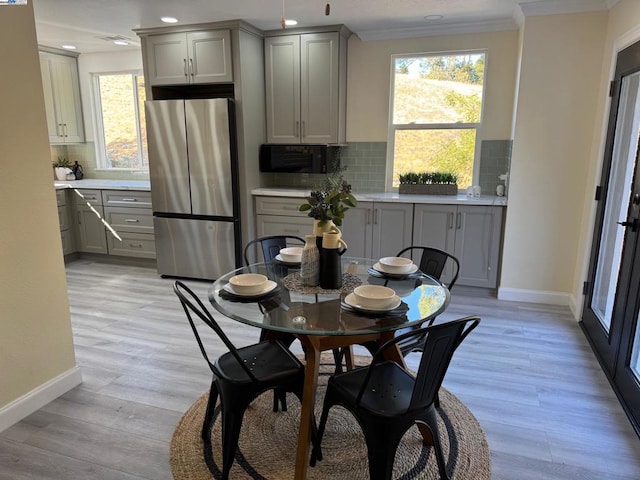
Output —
(62, 98)
(306, 80)
(191, 57)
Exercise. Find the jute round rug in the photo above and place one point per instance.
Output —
(268, 444)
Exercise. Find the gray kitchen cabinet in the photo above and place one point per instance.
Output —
(305, 80)
(91, 232)
(129, 214)
(471, 233)
(191, 57)
(66, 234)
(280, 216)
(377, 229)
(63, 105)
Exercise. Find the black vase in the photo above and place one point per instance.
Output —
(331, 269)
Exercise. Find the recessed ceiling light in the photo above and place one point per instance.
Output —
(169, 19)
(290, 22)
(69, 47)
(121, 42)
(433, 17)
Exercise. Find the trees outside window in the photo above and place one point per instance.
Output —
(121, 132)
(436, 112)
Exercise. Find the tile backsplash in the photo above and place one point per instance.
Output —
(366, 163)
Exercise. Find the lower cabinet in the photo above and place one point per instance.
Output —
(471, 233)
(91, 233)
(134, 226)
(280, 216)
(66, 232)
(128, 219)
(377, 229)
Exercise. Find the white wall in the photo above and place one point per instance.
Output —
(369, 77)
(554, 125)
(37, 360)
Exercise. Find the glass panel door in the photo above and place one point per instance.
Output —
(612, 301)
(617, 202)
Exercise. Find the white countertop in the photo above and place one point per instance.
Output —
(105, 184)
(393, 197)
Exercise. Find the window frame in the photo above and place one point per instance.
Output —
(100, 146)
(392, 128)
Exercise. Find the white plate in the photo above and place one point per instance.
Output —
(270, 285)
(351, 301)
(378, 266)
(279, 258)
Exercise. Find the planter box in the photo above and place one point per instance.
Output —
(429, 189)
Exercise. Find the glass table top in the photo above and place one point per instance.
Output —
(293, 308)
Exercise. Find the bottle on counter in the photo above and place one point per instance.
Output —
(77, 171)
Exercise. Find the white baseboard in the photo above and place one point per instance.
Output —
(575, 305)
(38, 397)
(533, 296)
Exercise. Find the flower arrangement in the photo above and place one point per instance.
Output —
(330, 199)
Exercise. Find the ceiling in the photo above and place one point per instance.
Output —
(90, 25)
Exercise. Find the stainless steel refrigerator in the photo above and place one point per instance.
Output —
(194, 186)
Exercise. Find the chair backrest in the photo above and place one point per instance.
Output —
(440, 344)
(441, 341)
(271, 246)
(193, 305)
(433, 262)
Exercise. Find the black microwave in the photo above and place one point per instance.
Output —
(299, 158)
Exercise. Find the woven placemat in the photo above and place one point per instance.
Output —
(293, 283)
(267, 444)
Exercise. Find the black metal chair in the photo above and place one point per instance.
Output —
(271, 246)
(239, 375)
(387, 400)
(432, 262)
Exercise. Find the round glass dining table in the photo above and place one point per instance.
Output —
(328, 319)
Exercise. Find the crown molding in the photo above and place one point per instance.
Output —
(443, 29)
(544, 7)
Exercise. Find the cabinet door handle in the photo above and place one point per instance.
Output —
(459, 221)
(290, 231)
(132, 220)
(302, 134)
(297, 129)
(129, 199)
(191, 67)
(368, 216)
(450, 220)
(375, 216)
(79, 218)
(135, 245)
(185, 66)
(59, 130)
(64, 130)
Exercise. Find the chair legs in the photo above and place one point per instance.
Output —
(208, 416)
(431, 423)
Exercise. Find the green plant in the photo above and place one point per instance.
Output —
(62, 162)
(424, 178)
(330, 200)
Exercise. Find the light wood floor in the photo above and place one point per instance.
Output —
(526, 372)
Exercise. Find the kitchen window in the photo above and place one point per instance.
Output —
(121, 137)
(435, 114)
